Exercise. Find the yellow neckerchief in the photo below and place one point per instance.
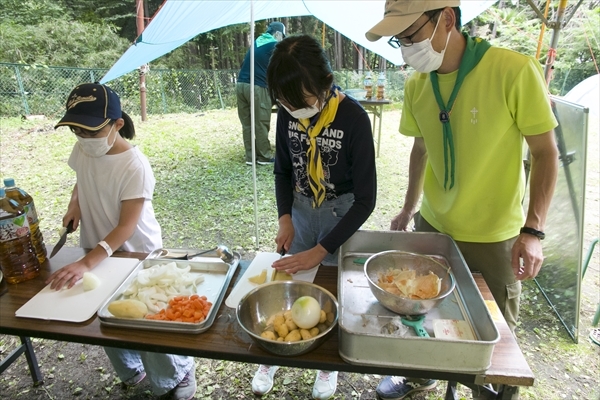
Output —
(316, 177)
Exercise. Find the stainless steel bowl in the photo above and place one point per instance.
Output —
(261, 303)
(382, 262)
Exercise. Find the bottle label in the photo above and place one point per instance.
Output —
(32, 217)
(29, 209)
(13, 228)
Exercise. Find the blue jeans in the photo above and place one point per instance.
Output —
(311, 225)
(164, 371)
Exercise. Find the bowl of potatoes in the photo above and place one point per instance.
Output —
(288, 318)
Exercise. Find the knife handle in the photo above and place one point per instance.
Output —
(70, 226)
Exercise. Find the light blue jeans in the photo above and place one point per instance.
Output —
(164, 371)
(311, 225)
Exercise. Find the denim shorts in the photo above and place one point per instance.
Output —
(311, 225)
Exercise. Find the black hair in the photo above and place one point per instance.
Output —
(128, 130)
(298, 66)
(432, 13)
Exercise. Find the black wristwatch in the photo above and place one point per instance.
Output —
(530, 231)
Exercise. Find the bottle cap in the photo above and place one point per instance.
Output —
(2, 192)
(9, 182)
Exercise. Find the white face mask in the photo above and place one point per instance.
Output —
(307, 112)
(421, 56)
(96, 147)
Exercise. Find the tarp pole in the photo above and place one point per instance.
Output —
(542, 32)
(562, 6)
(140, 28)
(252, 120)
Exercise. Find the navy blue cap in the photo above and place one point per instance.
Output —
(276, 27)
(91, 106)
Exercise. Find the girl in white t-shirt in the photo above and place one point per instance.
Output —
(111, 203)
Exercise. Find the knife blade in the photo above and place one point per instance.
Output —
(62, 240)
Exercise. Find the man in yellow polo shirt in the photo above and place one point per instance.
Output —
(471, 109)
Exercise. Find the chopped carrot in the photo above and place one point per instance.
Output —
(192, 309)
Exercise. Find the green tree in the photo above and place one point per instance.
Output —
(76, 44)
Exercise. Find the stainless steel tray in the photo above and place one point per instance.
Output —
(217, 276)
(361, 315)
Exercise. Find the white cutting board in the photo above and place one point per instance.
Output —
(75, 305)
(260, 262)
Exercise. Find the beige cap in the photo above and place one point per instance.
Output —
(400, 14)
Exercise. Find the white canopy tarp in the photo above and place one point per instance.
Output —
(179, 21)
(587, 94)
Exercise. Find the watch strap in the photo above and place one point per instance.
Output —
(530, 231)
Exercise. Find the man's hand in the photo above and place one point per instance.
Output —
(400, 221)
(527, 248)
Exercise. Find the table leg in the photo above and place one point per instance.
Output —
(374, 111)
(26, 348)
(379, 132)
(450, 391)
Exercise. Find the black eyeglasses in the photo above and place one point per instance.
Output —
(82, 132)
(407, 41)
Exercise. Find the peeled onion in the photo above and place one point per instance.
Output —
(306, 312)
(90, 281)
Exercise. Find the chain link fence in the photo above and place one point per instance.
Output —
(35, 90)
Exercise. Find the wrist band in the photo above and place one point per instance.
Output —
(530, 231)
(106, 247)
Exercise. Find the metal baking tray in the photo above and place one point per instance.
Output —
(361, 315)
(217, 276)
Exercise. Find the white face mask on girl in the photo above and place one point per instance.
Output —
(307, 112)
(96, 147)
(421, 55)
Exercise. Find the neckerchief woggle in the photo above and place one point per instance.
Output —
(316, 176)
(476, 48)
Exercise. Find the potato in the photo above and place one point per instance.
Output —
(287, 315)
(280, 339)
(129, 308)
(330, 317)
(293, 336)
(282, 330)
(279, 319)
(323, 317)
(271, 320)
(260, 278)
(305, 334)
(268, 335)
(291, 325)
(314, 331)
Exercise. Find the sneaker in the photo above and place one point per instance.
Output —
(262, 383)
(325, 385)
(397, 387)
(271, 161)
(134, 380)
(248, 162)
(186, 389)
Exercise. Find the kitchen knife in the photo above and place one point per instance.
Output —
(63, 239)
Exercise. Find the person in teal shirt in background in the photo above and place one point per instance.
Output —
(263, 48)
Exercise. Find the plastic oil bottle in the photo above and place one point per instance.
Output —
(381, 86)
(368, 86)
(26, 201)
(17, 256)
